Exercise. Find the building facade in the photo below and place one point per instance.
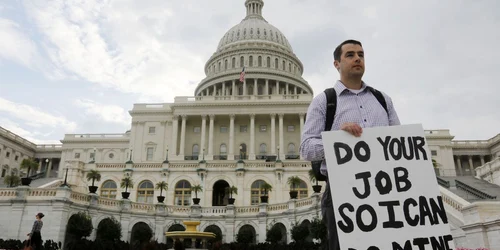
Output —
(241, 129)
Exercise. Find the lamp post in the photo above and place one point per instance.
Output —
(46, 167)
(166, 158)
(130, 158)
(278, 159)
(65, 184)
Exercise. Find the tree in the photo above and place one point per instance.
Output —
(312, 177)
(12, 180)
(93, 175)
(29, 164)
(266, 187)
(127, 183)
(435, 163)
(109, 229)
(79, 225)
(232, 190)
(299, 232)
(196, 189)
(274, 234)
(294, 181)
(162, 186)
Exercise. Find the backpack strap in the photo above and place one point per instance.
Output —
(379, 96)
(331, 107)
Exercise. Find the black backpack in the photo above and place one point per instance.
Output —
(331, 108)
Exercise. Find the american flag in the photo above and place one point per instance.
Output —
(242, 75)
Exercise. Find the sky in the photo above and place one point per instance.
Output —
(78, 66)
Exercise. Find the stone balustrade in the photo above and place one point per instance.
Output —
(194, 166)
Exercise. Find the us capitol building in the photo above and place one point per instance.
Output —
(231, 133)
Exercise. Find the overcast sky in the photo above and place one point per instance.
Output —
(79, 66)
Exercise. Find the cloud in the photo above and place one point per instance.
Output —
(27, 135)
(15, 45)
(34, 117)
(108, 113)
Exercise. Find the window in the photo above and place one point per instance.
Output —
(291, 149)
(434, 153)
(219, 67)
(108, 189)
(276, 63)
(263, 128)
(182, 193)
(196, 150)
(223, 149)
(289, 67)
(111, 155)
(225, 64)
(92, 155)
(7, 154)
(77, 155)
(16, 158)
(145, 192)
(243, 129)
(256, 192)
(152, 130)
(233, 63)
(301, 189)
(250, 61)
(242, 61)
(263, 149)
(268, 63)
(149, 155)
(196, 129)
(283, 64)
(291, 128)
(223, 129)
(259, 61)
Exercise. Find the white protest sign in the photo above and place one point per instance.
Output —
(384, 190)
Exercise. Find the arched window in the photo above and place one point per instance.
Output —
(233, 62)
(291, 149)
(182, 196)
(263, 149)
(196, 150)
(268, 62)
(219, 68)
(302, 190)
(225, 64)
(108, 189)
(242, 61)
(223, 149)
(259, 61)
(256, 192)
(250, 61)
(145, 192)
(276, 63)
(284, 65)
(289, 67)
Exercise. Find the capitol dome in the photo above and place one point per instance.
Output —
(263, 52)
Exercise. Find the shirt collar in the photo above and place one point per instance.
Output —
(340, 87)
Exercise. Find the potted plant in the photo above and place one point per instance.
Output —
(12, 180)
(126, 183)
(267, 188)
(196, 189)
(93, 175)
(231, 190)
(294, 181)
(29, 164)
(312, 177)
(161, 186)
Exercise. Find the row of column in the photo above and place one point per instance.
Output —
(458, 160)
(210, 153)
(225, 90)
(48, 165)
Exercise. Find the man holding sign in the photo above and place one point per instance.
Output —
(356, 106)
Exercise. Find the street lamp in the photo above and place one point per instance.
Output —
(130, 158)
(278, 159)
(65, 184)
(46, 167)
(166, 158)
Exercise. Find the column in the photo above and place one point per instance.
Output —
(471, 166)
(233, 89)
(459, 165)
(215, 91)
(277, 92)
(301, 125)
(266, 92)
(211, 138)
(175, 130)
(40, 165)
(286, 89)
(295, 90)
(203, 128)
(183, 136)
(223, 88)
(251, 155)
(49, 167)
(282, 149)
(231, 137)
(273, 134)
(482, 160)
(255, 87)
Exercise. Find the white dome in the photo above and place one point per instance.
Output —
(254, 29)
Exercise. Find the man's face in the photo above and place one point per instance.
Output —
(352, 61)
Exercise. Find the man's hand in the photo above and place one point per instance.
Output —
(352, 128)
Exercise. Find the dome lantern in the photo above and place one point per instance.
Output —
(254, 8)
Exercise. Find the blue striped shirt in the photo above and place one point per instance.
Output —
(360, 107)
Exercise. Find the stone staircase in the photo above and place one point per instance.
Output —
(470, 188)
(34, 183)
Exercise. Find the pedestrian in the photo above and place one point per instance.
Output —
(352, 106)
(35, 236)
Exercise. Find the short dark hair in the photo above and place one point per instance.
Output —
(338, 51)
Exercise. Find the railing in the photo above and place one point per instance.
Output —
(95, 136)
(220, 157)
(442, 182)
(16, 138)
(147, 165)
(111, 165)
(191, 99)
(213, 210)
(453, 203)
(49, 147)
(37, 176)
(473, 191)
